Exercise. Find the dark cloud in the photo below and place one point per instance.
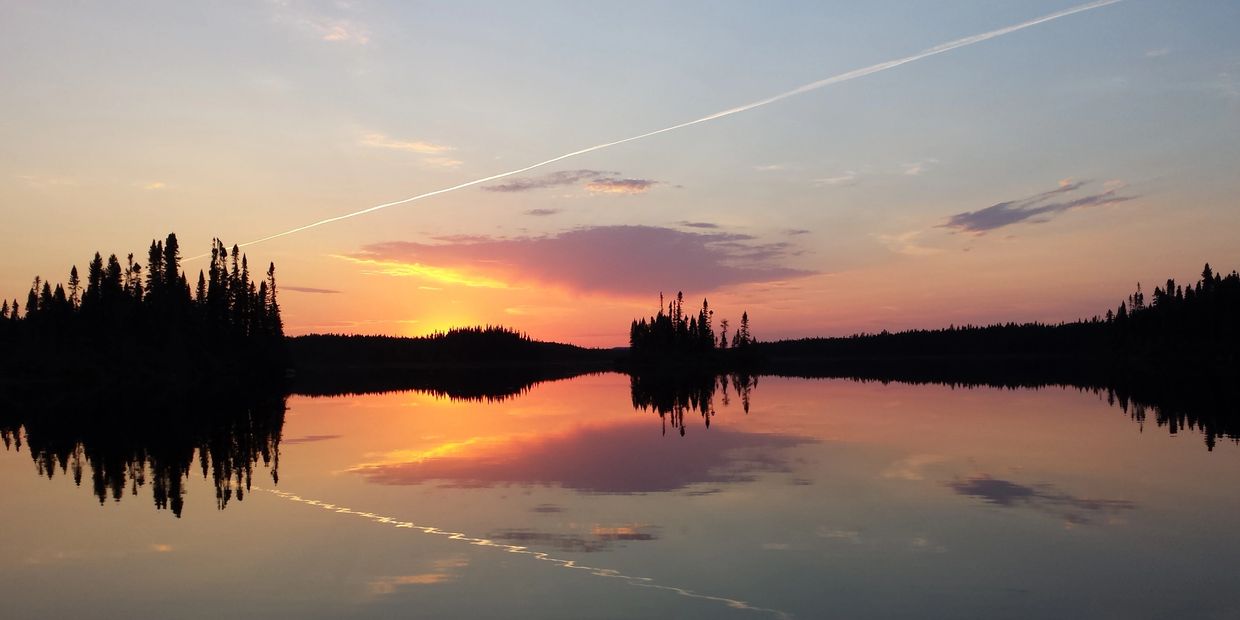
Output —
(626, 260)
(551, 179)
(687, 224)
(598, 181)
(307, 289)
(792, 232)
(542, 212)
(1037, 208)
(619, 459)
(308, 439)
(1042, 497)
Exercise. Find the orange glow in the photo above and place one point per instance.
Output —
(444, 275)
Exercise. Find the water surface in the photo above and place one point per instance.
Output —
(827, 498)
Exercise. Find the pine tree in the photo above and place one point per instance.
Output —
(200, 295)
(171, 260)
(75, 288)
(274, 322)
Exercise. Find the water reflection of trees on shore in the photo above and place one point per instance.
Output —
(121, 450)
(1210, 408)
(671, 395)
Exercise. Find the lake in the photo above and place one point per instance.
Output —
(826, 498)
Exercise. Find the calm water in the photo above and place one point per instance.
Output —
(828, 498)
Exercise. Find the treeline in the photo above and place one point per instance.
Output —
(461, 346)
(678, 334)
(473, 363)
(134, 320)
(1197, 323)
(1200, 320)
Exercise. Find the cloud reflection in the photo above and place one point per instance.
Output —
(619, 459)
(641, 582)
(1041, 497)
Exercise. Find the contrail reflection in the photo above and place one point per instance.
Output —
(643, 582)
(842, 77)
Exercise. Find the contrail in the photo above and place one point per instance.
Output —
(812, 86)
(641, 582)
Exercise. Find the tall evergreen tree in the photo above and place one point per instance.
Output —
(75, 287)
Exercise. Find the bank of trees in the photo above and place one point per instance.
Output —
(678, 333)
(1197, 324)
(126, 314)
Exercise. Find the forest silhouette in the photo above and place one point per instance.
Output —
(136, 328)
(1196, 324)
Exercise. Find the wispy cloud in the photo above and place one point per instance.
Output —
(382, 141)
(1037, 208)
(707, 225)
(335, 28)
(848, 177)
(443, 275)
(596, 181)
(308, 439)
(906, 243)
(918, 167)
(1158, 53)
(441, 162)
(307, 289)
(434, 154)
(46, 181)
(541, 212)
(620, 186)
(558, 178)
(793, 232)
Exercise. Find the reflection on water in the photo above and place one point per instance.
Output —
(125, 448)
(671, 395)
(591, 458)
(643, 582)
(799, 498)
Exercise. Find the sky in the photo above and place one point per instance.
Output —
(1039, 175)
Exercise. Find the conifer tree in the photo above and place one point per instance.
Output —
(75, 287)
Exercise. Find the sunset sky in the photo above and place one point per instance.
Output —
(1035, 176)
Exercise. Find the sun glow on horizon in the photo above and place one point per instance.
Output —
(444, 275)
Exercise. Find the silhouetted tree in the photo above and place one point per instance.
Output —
(162, 328)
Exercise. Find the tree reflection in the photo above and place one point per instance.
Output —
(122, 448)
(1208, 405)
(671, 395)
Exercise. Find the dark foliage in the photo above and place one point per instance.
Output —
(680, 337)
(458, 346)
(1198, 323)
(130, 327)
(473, 363)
